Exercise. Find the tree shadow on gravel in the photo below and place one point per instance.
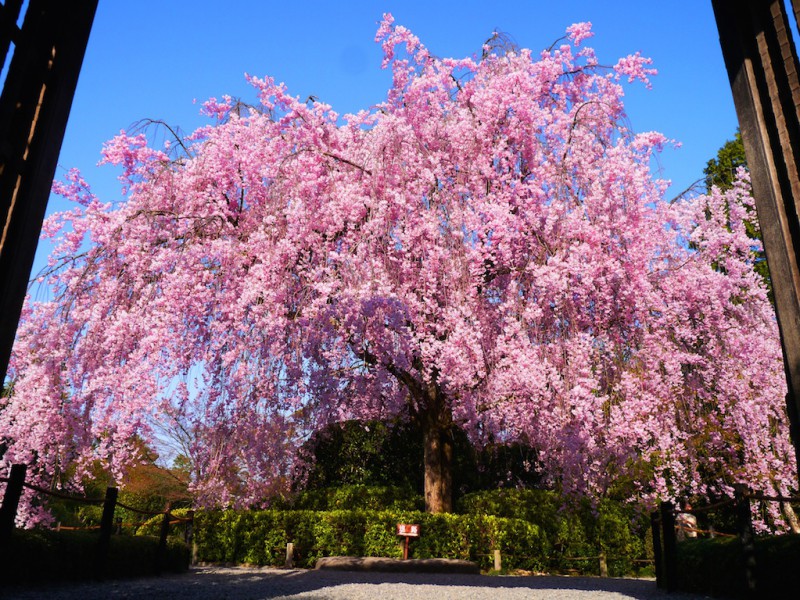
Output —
(240, 583)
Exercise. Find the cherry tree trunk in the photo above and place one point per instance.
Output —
(438, 463)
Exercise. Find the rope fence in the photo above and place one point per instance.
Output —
(709, 507)
(15, 484)
(63, 495)
(667, 524)
(765, 498)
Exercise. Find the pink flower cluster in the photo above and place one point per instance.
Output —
(491, 236)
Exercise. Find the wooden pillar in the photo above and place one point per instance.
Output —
(658, 556)
(8, 510)
(763, 69)
(744, 525)
(34, 106)
(161, 552)
(106, 528)
(670, 541)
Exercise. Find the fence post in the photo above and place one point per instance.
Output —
(744, 524)
(603, 565)
(289, 564)
(8, 511)
(106, 527)
(188, 537)
(670, 546)
(498, 560)
(658, 557)
(162, 540)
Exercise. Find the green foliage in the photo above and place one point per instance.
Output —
(356, 497)
(573, 531)
(508, 465)
(721, 171)
(41, 555)
(715, 566)
(152, 526)
(379, 453)
(260, 537)
(146, 487)
(390, 454)
(372, 453)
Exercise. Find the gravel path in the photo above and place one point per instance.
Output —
(238, 583)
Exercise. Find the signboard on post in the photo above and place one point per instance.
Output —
(406, 531)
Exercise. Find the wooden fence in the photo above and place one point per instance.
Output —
(665, 530)
(15, 483)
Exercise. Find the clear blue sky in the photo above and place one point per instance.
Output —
(153, 58)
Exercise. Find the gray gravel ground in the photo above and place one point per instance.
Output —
(239, 583)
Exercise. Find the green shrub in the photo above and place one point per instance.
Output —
(716, 567)
(152, 526)
(356, 497)
(41, 555)
(220, 537)
(571, 532)
(532, 529)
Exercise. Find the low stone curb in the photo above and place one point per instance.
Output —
(393, 565)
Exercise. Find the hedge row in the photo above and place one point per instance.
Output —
(260, 537)
(579, 530)
(715, 567)
(43, 555)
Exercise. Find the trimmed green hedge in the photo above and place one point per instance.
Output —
(260, 537)
(715, 567)
(41, 555)
(531, 528)
(573, 532)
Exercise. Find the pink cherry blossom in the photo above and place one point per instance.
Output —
(486, 248)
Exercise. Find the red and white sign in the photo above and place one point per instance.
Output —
(407, 530)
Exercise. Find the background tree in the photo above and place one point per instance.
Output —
(485, 249)
(722, 172)
(390, 453)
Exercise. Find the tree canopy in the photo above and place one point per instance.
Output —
(486, 248)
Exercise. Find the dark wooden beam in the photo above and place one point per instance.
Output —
(34, 106)
(9, 13)
(762, 66)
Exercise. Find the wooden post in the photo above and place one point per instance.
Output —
(603, 565)
(188, 537)
(106, 527)
(289, 563)
(161, 552)
(744, 525)
(762, 65)
(498, 562)
(8, 511)
(670, 546)
(658, 556)
(188, 531)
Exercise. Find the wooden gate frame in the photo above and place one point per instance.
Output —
(34, 107)
(762, 66)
